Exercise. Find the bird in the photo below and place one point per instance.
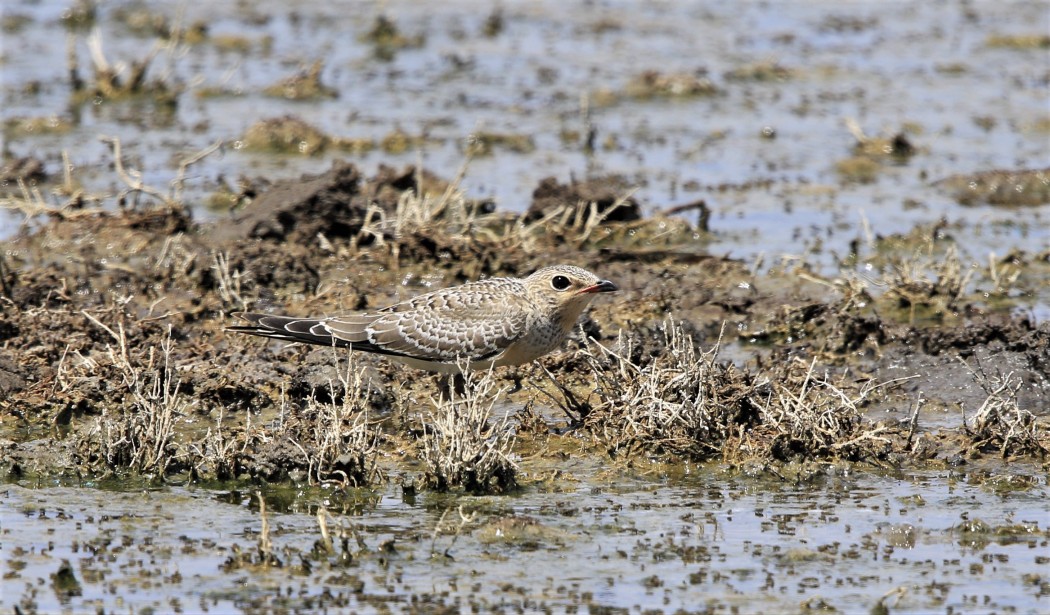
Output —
(479, 325)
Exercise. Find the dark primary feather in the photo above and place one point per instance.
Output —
(286, 328)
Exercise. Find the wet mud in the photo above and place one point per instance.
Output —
(130, 320)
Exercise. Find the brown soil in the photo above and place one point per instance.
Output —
(89, 298)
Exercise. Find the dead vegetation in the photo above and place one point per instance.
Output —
(1009, 188)
(927, 274)
(656, 84)
(805, 414)
(921, 281)
(141, 205)
(678, 402)
(681, 402)
(330, 436)
(387, 39)
(136, 430)
(287, 135)
(1000, 424)
(303, 85)
(337, 440)
(872, 153)
(465, 445)
(121, 80)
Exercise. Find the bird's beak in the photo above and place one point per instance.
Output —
(605, 286)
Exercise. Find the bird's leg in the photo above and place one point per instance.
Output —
(516, 376)
(445, 388)
(452, 387)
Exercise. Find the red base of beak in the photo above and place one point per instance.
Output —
(605, 286)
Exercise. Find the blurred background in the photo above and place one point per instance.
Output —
(803, 125)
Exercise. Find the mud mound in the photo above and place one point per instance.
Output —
(297, 211)
(1022, 187)
(604, 192)
(334, 204)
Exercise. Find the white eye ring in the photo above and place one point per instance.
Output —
(560, 282)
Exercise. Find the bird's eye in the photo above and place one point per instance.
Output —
(560, 282)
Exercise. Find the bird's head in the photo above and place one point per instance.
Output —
(566, 289)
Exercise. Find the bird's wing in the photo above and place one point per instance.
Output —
(475, 321)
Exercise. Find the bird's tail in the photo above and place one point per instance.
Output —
(287, 328)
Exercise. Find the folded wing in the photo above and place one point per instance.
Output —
(468, 322)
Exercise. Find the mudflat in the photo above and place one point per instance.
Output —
(824, 382)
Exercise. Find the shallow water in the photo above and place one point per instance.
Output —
(706, 541)
(924, 68)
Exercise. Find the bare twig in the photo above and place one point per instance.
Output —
(132, 178)
(180, 178)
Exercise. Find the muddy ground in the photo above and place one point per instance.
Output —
(114, 319)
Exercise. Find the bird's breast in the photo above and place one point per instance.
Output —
(542, 337)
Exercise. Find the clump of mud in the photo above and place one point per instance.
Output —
(1000, 187)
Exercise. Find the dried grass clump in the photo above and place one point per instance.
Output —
(804, 416)
(110, 82)
(218, 454)
(447, 227)
(463, 448)
(285, 135)
(334, 437)
(438, 221)
(1007, 187)
(925, 275)
(230, 282)
(654, 84)
(681, 403)
(329, 438)
(304, 85)
(1001, 424)
(138, 433)
(927, 281)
